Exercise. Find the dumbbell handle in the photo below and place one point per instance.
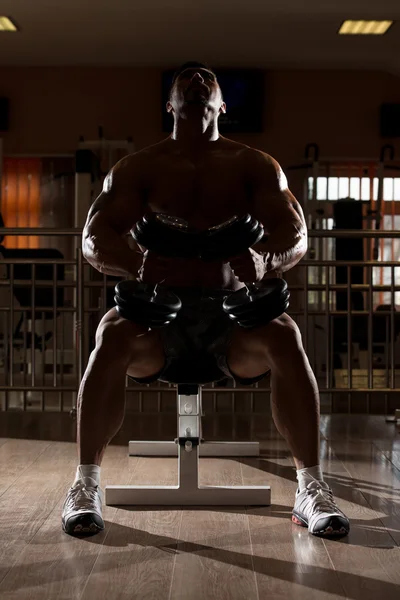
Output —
(251, 288)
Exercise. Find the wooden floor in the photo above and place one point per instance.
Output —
(205, 554)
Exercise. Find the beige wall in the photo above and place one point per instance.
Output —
(52, 107)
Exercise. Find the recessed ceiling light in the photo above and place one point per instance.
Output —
(365, 27)
(7, 25)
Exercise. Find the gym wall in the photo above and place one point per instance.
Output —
(51, 107)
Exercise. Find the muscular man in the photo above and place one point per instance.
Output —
(204, 178)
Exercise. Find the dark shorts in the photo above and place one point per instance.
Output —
(195, 343)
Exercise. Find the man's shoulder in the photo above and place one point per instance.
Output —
(152, 150)
(257, 156)
(257, 161)
(134, 164)
(246, 152)
(143, 154)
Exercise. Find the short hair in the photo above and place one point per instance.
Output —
(190, 65)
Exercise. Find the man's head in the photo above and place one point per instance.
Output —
(195, 86)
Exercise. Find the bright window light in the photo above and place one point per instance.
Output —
(365, 27)
(7, 25)
(357, 188)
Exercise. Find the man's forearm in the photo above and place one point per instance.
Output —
(109, 253)
(283, 249)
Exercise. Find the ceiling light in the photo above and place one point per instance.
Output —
(365, 27)
(7, 25)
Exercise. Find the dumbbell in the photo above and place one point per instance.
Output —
(166, 235)
(258, 303)
(231, 238)
(145, 304)
(170, 236)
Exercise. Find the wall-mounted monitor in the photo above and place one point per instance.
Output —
(244, 94)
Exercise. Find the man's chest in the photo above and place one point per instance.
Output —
(205, 193)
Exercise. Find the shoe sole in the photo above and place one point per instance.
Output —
(82, 531)
(334, 529)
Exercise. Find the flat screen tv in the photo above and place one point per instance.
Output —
(244, 94)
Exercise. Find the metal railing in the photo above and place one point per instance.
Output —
(45, 348)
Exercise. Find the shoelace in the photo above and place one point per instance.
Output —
(82, 495)
(321, 494)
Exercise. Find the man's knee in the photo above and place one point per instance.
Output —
(281, 338)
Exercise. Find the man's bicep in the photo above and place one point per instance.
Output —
(283, 209)
(121, 203)
(273, 203)
(117, 211)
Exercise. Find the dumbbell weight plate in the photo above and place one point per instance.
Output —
(144, 292)
(231, 238)
(136, 301)
(166, 235)
(130, 309)
(263, 302)
(261, 292)
(263, 314)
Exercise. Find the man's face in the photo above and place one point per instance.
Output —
(196, 87)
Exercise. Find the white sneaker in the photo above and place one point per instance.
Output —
(316, 509)
(81, 515)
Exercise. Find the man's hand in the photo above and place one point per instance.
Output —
(249, 266)
(154, 268)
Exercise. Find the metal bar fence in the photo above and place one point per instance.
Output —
(354, 352)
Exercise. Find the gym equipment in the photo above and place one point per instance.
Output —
(167, 236)
(348, 214)
(258, 303)
(188, 447)
(44, 296)
(231, 238)
(146, 304)
(378, 213)
(170, 236)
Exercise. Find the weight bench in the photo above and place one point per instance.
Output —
(188, 447)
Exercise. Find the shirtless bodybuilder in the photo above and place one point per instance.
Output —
(200, 176)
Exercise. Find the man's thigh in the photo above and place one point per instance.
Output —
(250, 351)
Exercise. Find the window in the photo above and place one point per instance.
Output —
(358, 188)
(20, 199)
(365, 188)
